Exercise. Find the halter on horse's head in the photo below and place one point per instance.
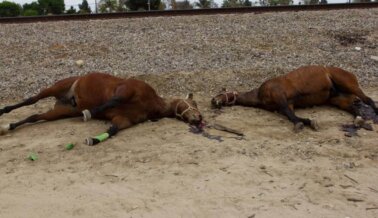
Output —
(186, 109)
(224, 98)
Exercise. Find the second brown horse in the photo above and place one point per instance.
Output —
(125, 102)
(304, 87)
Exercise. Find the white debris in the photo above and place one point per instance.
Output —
(79, 63)
(374, 58)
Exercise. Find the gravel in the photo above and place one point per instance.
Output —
(195, 53)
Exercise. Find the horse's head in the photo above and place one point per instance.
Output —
(186, 109)
(224, 98)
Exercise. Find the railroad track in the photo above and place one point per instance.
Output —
(137, 14)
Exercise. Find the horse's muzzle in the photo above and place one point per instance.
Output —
(198, 126)
(197, 121)
(216, 103)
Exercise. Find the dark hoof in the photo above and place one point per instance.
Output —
(298, 127)
(367, 126)
(314, 125)
(5, 110)
(351, 134)
(359, 121)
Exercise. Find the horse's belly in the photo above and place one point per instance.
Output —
(134, 112)
(312, 99)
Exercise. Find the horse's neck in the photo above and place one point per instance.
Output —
(250, 98)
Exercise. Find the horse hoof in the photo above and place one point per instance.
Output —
(89, 141)
(358, 121)
(367, 126)
(314, 125)
(86, 115)
(4, 129)
(298, 127)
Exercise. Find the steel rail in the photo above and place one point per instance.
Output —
(210, 11)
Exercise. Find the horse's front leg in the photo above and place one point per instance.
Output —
(118, 123)
(299, 123)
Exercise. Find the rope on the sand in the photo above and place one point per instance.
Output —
(225, 129)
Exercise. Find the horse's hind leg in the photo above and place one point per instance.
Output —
(118, 123)
(351, 104)
(355, 90)
(56, 90)
(121, 95)
(347, 103)
(347, 83)
(60, 111)
(113, 102)
(298, 122)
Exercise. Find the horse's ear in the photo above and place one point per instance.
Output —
(224, 89)
(189, 96)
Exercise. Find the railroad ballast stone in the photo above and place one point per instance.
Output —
(188, 53)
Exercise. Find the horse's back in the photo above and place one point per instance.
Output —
(308, 80)
(303, 81)
(305, 86)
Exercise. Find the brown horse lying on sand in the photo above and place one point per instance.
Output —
(125, 102)
(304, 87)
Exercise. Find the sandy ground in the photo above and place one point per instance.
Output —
(160, 169)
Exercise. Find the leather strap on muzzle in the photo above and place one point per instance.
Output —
(189, 108)
(235, 94)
